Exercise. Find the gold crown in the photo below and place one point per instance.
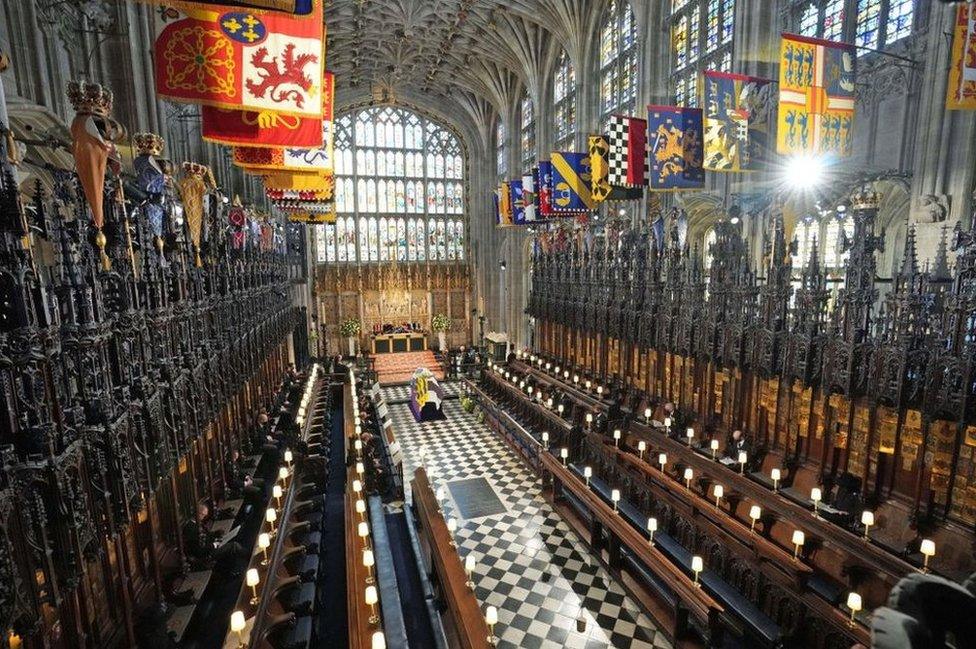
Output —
(148, 143)
(865, 198)
(195, 168)
(90, 98)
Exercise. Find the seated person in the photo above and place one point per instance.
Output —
(737, 443)
(203, 548)
(239, 483)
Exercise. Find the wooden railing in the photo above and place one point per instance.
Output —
(462, 606)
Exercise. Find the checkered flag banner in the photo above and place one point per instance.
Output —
(627, 137)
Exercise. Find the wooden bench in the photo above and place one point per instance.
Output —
(462, 605)
(691, 599)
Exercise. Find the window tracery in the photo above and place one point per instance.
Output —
(391, 163)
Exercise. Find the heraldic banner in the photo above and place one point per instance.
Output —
(571, 183)
(674, 138)
(627, 157)
(816, 97)
(265, 159)
(545, 188)
(253, 60)
(503, 205)
(268, 128)
(738, 110)
(297, 7)
(962, 71)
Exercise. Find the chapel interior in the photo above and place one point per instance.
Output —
(473, 324)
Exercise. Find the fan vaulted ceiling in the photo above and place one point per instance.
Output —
(446, 51)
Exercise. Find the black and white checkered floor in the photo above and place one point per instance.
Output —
(402, 392)
(530, 565)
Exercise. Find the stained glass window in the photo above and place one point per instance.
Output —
(385, 157)
(701, 39)
(564, 104)
(527, 139)
(618, 59)
(877, 23)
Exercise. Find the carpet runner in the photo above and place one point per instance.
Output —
(399, 368)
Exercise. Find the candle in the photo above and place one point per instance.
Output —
(615, 497)
(651, 528)
(690, 434)
(616, 437)
(854, 603)
(927, 548)
(799, 538)
(368, 562)
(647, 415)
(775, 475)
(379, 640)
(662, 459)
(697, 565)
(743, 458)
(253, 579)
(754, 513)
(564, 454)
(714, 446)
(641, 447)
(867, 520)
(237, 625)
(264, 542)
(815, 496)
(667, 423)
(689, 474)
(587, 474)
(371, 598)
(719, 491)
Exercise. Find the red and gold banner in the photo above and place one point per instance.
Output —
(268, 128)
(298, 181)
(246, 59)
(962, 69)
(263, 159)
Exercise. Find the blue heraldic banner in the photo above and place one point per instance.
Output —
(675, 138)
(571, 183)
(518, 202)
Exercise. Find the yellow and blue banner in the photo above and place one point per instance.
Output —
(675, 142)
(738, 120)
(571, 183)
(816, 97)
(503, 205)
(962, 68)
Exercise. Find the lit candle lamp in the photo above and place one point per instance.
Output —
(641, 447)
(615, 497)
(927, 548)
(599, 390)
(357, 486)
(754, 513)
(576, 379)
(276, 493)
(491, 618)
(816, 495)
(283, 473)
(559, 408)
(689, 474)
(360, 469)
(589, 384)
(719, 491)
(589, 418)
(368, 562)
(690, 434)
(361, 508)
(545, 439)
(264, 542)
(564, 454)
(253, 579)
(237, 625)
(270, 515)
(697, 565)
(647, 415)
(662, 459)
(587, 474)
(651, 528)
(854, 603)
(743, 458)
(667, 424)
(616, 438)
(775, 475)
(714, 446)
(469, 565)
(867, 520)
(799, 538)
(288, 456)
(379, 641)
(371, 598)
(363, 531)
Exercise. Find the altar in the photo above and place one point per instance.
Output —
(393, 343)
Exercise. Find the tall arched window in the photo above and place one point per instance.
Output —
(875, 25)
(527, 139)
(564, 104)
(701, 39)
(823, 20)
(618, 59)
(500, 150)
(397, 155)
(807, 230)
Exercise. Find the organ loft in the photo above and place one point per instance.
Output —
(473, 324)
